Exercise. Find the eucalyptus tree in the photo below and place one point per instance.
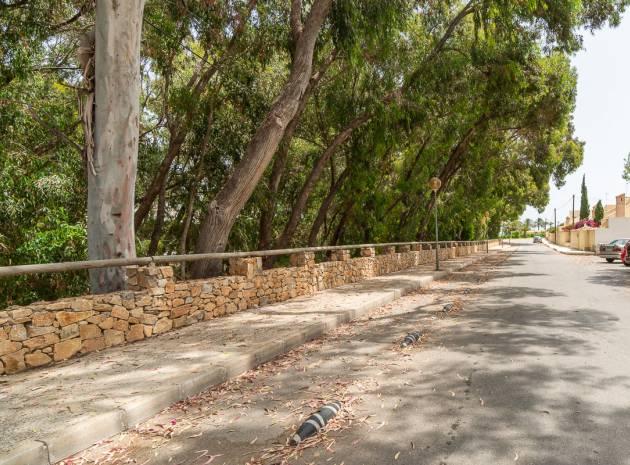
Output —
(111, 164)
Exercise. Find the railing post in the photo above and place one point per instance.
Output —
(302, 259)
(247, 267)
(368, 252)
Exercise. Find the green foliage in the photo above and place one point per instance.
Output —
(626, 169)
(481, 93)
(584, 205)
(599, 212)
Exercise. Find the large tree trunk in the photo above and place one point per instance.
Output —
(224, 209)
(112, 171)
(269, 211)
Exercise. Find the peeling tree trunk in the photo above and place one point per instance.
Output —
(225, 207)
(268, 213)
(112, 176)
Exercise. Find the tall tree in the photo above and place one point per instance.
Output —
(228, 203)
(599, 212)
(584, 206)
(626, 169)
(111, 169)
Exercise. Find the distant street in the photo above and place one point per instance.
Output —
(530, 368)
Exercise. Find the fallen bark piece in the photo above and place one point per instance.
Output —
(411, 339)
(315, 422)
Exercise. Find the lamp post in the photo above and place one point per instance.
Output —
(486, 217)
(435, 184)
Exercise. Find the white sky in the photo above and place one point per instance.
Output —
(602, 120)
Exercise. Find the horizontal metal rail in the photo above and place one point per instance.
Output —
(17, 270)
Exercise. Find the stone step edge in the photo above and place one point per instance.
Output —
(90, 429)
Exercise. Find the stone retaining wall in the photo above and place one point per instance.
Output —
(47, 332)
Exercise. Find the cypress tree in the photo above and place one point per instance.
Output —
(599, 212)
(584, 209)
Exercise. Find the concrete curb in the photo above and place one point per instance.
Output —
(89, 429)
(564, 250)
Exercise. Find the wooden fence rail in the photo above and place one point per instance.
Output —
(17, 270)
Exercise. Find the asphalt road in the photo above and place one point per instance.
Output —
(533, 367)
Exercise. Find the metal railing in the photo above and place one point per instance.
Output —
(62, 267)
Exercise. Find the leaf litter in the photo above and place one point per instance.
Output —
(259, 385)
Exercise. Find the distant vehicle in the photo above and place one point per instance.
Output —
(612, 251)
(625, 254)
(537, 239)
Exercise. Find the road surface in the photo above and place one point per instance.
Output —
(531, 367)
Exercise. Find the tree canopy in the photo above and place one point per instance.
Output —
(268, 123)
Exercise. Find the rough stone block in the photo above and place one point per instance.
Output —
(90, 331)
(163, 325)
(113, 337)
(368, 252)
(66, 349)
(144, 301)
(181, 311)
(107, 323)
(148, 319)
(37, 359)
(82, 305)
(41, 341)
(91, 345)
(167, 271)
(179, 322)
(14, 362)
(70, 331)
(302, 259)
(339, 255)
(247, 267)
(18, 333)
(120, 312)
(7, 347)
(67, 318)
(135, 333)
(120, 325)
(20, 315)
(43, 319)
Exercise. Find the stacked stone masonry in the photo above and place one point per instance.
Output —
(48, 332)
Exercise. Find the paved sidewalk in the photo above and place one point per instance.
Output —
(565, 250)
(49, 414)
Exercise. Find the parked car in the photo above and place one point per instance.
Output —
(625, 254)
(537, 239)
(612, 251)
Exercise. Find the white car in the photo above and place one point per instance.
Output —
(612, 251)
